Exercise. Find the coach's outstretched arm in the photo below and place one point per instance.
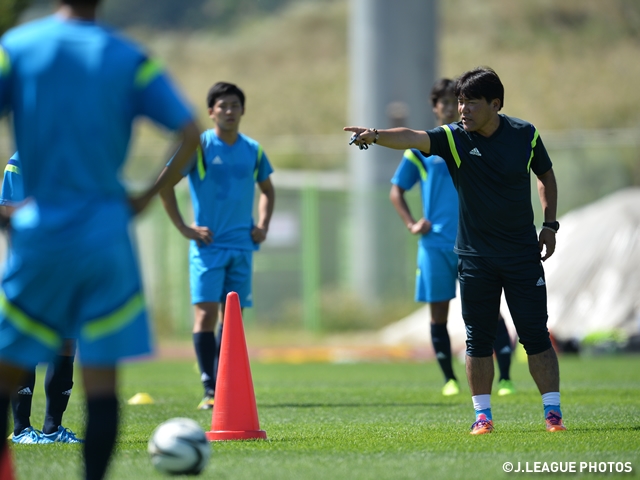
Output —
(190, 139)
(398, 138)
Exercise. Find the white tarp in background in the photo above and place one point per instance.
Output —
(593, 278)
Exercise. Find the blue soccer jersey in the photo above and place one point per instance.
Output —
(439, 197)
(12, 185)
(222, 180)
(74, 89)
(66, 83)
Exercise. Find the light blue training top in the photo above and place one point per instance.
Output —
(439, 196)
(74, 88)
(222, 180)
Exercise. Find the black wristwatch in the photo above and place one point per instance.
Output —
(554, 226)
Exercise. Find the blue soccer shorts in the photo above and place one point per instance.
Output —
(436, 274)
(214, 272)
(92, 294)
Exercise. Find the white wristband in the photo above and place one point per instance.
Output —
(549, 228)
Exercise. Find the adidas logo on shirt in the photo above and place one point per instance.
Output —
(217, 160)
(475, 152)
(540, 282)
(25, 391)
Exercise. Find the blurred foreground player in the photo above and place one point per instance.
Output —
(74, 89)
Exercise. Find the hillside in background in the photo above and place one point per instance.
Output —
(570, 65)
(566, 65)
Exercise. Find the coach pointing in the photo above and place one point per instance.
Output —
(490, 156)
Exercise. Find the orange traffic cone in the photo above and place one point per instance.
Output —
(6, 467)
(235, 416)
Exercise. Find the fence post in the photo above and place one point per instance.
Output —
(310, 259)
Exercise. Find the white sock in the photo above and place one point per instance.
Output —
(550, 398)
(481, 402)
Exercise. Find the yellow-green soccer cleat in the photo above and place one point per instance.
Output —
(505, 387)
(451, 388)
(206, 403)
(482, 425)
(553, 422)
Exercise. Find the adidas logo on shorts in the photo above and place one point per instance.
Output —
(25, 391)
(540, 282)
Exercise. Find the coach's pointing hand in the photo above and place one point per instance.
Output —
(361, 136)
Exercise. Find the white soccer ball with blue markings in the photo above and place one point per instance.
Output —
(179, 447)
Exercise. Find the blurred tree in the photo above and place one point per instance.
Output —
(10, 11)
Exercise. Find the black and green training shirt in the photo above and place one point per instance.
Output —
(492, 176)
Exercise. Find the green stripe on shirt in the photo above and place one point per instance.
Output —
(12, 169)
(258, 160)
(147, 71)
(452, 144)
(5, 62)
(202, 171)
(413, 158)
(533, 145)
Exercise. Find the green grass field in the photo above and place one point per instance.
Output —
(366, 421)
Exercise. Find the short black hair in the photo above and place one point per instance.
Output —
(221, 89)
(481, 82)
(442, 88)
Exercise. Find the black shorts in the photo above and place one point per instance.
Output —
(482, 280)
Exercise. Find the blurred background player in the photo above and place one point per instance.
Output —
(222, 180)
(59, 379)
(437, 268)
(72, 271)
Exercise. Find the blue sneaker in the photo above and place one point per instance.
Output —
(30, 436)
(63, 435)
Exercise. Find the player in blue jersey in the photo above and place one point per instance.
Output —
(74, 88)
(490, 157)
(59, 379)
(222, 180)
(437, 263)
